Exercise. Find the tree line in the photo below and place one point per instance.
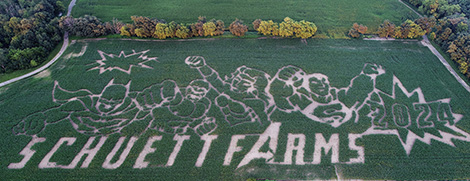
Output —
(408, 29)
(31, 29)
(446, 24)
(28, 32)
(146, 27)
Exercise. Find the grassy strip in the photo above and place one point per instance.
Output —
(226, 35)
(450, 62)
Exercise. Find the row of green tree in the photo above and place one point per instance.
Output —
(28, 32)
(451, 28)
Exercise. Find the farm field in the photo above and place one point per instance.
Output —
(388, 110)
(333, 18)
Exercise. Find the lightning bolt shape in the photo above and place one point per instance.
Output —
(411, 137)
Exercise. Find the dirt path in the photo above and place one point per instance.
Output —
(64, 47)
(72, 3)
(59, 54)
(426, 43)
(145, 40)
(410, 8)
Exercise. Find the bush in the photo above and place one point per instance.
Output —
(160, 31)
(23, 59)
(286, 28)
(409, 29)
(386, 29)
(305, 30)
(357, 30)
(125, 31)
(426, 23)
(170, 30)
(256, 24)
(145, 26)
(182, 32)
(209, 29)
(220, 27)
(237, 28)
(268, 28)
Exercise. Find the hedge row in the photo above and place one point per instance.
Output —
(146, 27)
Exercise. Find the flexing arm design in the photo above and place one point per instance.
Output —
(361, 86)
(36, 123)
(207, 72)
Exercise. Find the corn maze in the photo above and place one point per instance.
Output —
(262, 109)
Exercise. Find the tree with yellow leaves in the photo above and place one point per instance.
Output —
(182, 32)
(409, 29)
(209, 29)
(286, 28)
(145, 26)
(170, 30)
(459, 51)
(125, 31)
(305, 30)
(160, 31)
(398, 32)
(268, 28)
(140, 32)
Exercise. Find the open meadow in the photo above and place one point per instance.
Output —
(333, 18)
(234, 109)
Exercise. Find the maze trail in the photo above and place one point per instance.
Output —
(169, 108)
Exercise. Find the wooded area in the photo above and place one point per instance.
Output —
(451, 30)
(28, 32)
